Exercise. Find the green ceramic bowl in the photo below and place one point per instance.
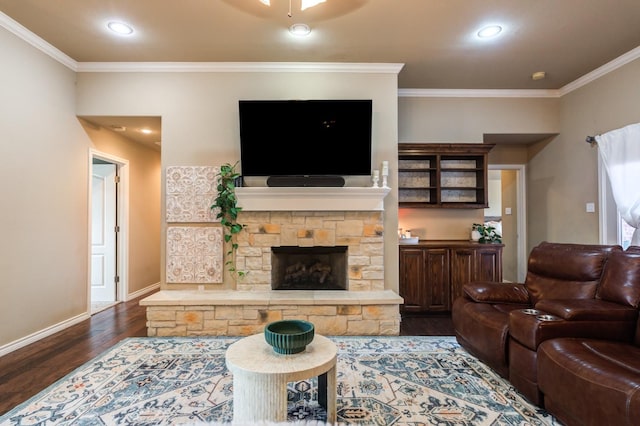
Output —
(289, 336)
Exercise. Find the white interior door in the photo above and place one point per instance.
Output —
(103, 233)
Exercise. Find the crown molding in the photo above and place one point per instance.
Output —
(378, 68)
(605, 69)
(477, 93)
(15, 28)
(385, 68)
(618, 62)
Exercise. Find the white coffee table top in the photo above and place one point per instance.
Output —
(254, 355)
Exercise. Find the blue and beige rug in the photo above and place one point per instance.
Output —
(381, 381)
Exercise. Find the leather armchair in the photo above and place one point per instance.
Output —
(481, 317)
(594, 378)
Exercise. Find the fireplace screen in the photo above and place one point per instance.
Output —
(309, 268)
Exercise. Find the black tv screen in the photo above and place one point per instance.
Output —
(305, 137)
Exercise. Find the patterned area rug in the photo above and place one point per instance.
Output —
(381, 381)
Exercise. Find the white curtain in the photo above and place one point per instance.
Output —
(620, 153)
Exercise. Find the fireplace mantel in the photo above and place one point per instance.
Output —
(311, 198)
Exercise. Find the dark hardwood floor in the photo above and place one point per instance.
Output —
(28, 370)
(426, 325)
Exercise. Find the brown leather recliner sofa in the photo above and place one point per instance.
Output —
(568, 338)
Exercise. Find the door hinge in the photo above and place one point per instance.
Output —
(116, 179)
(116, 228)
(116, 279)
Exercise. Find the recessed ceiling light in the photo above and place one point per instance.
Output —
(490, 31)
(120, 28)
(146, 131)
(300, 30)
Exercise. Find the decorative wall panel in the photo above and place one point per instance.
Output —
(190, 192)
(194, 254)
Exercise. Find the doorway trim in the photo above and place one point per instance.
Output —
(521, 203)
(122, 218)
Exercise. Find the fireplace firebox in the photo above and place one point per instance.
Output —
(309, 268)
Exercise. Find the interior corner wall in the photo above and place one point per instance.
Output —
(43, 169)
(144, 204)
(563, 176)
(200, 119)
(466, 120)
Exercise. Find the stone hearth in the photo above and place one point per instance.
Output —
(242, 313)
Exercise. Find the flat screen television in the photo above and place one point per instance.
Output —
(302, 138)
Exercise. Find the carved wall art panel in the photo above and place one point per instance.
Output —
(190, 192)
(194, 254)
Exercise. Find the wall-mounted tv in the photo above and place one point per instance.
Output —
(285, 138)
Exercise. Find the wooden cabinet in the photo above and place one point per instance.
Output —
(443, 175)
(424, 278)
(432, 273)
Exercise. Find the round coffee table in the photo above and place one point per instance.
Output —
(260, 377)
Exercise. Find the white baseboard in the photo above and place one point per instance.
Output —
(32, 338)
(142, 292)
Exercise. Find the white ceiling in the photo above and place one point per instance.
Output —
(434, 39)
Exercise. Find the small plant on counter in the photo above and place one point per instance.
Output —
(488, 233)
(227, 205)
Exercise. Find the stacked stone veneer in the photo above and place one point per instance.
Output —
(219, 313)
(361, 232)
(364, 309)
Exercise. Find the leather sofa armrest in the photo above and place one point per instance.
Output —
(497, 292)
(587, 310)
(583, 318)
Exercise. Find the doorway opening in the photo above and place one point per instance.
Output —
(107, 230)
(512, 218)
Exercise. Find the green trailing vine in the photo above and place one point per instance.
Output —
(227, 205)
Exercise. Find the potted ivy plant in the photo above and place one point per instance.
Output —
(488, 233)
(226, 204)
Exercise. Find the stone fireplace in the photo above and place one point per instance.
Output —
(308, 253)
(309, 268)
(360, 233)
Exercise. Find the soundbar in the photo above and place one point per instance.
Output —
(316, 180)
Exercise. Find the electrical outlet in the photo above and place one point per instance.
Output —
(507, 210)
(590, 207)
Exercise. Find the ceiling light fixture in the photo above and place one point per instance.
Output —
(146, 131)
(120, 28)
(304, 4)
(490, 31)
(300, 30)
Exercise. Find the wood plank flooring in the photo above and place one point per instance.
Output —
(27, 371)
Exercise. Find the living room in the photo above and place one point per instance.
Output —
(45, 261)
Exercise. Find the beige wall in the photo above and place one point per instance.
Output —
(44, 158)
(43, 170)
(563, 174)
(200, 117)
(468, 119)
(144, 204)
